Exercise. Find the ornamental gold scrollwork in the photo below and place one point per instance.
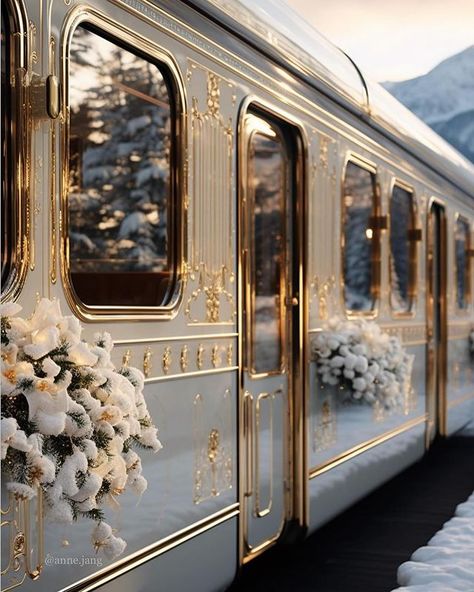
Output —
(183, 358)
(17, 519)
(216, 356)
(210, 268)
(147, 362)
(126, 358)
(200, 357)
(322, 290)
(325, 433)
(213, 456)
(166, 360)
(230, 354)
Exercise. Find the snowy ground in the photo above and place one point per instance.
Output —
(446, 563)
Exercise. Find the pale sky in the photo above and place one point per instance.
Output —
(393, 39)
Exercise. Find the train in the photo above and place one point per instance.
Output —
(219, 187)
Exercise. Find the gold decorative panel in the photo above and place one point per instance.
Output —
(212, 431)
(211, 264)
(323, 217)
(325, 431)
(408, 334)
(23, 519)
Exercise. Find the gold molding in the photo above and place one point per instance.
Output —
(191, 374)
(364, 446)
(154, 550)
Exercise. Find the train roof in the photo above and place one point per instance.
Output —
(285, 36)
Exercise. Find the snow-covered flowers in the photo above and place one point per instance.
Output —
(359, 356)
(69, 419)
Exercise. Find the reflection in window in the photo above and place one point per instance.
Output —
(462, 262)
(267, 176)
(402, 272)
(359, 207)
(120, 243)
(6, 173)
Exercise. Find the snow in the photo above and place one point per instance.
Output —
(446, 563)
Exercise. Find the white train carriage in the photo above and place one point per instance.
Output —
(211, 186)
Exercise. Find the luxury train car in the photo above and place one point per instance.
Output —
(225, 193)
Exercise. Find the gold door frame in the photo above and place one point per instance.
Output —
(439, 350)
(297, 502)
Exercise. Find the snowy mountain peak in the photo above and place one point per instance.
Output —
(444, 99)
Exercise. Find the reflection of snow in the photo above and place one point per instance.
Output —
(267, 334)
(336, 489)
(446, 564)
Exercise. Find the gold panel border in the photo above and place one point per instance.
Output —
(154, 550)
(364, 446)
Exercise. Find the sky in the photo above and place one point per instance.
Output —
(393, 39)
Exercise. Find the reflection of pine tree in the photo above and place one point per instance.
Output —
(400, 214)
(119, 178)
(359, 194)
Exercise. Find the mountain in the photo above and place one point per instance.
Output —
(444, 99)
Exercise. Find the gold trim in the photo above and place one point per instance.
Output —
(364, 446)
(175, 338)
(166, 360)
(154, 550)
(258, 511)
(147, 362)
(190, 374)
(23, 254)
(436, 384)
(124, 36)
(183, 358)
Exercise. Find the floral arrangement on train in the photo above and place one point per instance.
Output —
(363, 360)
(70, 419)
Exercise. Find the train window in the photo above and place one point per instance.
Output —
(360, 264)
(402, 250)
(8, 242)
(268, 180)
(462, 247)
(122, 220)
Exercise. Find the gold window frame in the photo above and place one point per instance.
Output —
(413, 255)
(458, 217)
(375, 255)
(124, 37)
(21, 247)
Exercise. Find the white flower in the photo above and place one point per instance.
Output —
(139, 485)
(104, 540)
(21, 491)
(149, 438)
(104, 340)
(50, 368)
(81, 355)
(359, 384)
(43, 341)
(9, 309)
(361, 365)
(12, 436)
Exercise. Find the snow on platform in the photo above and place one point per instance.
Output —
(446, 563)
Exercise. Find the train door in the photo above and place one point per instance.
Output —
(270, 326)
(436, 320)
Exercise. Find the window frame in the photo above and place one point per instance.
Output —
(375, 257)
(141, 47)
(413, 251)
(468, 268)
(17, 180)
